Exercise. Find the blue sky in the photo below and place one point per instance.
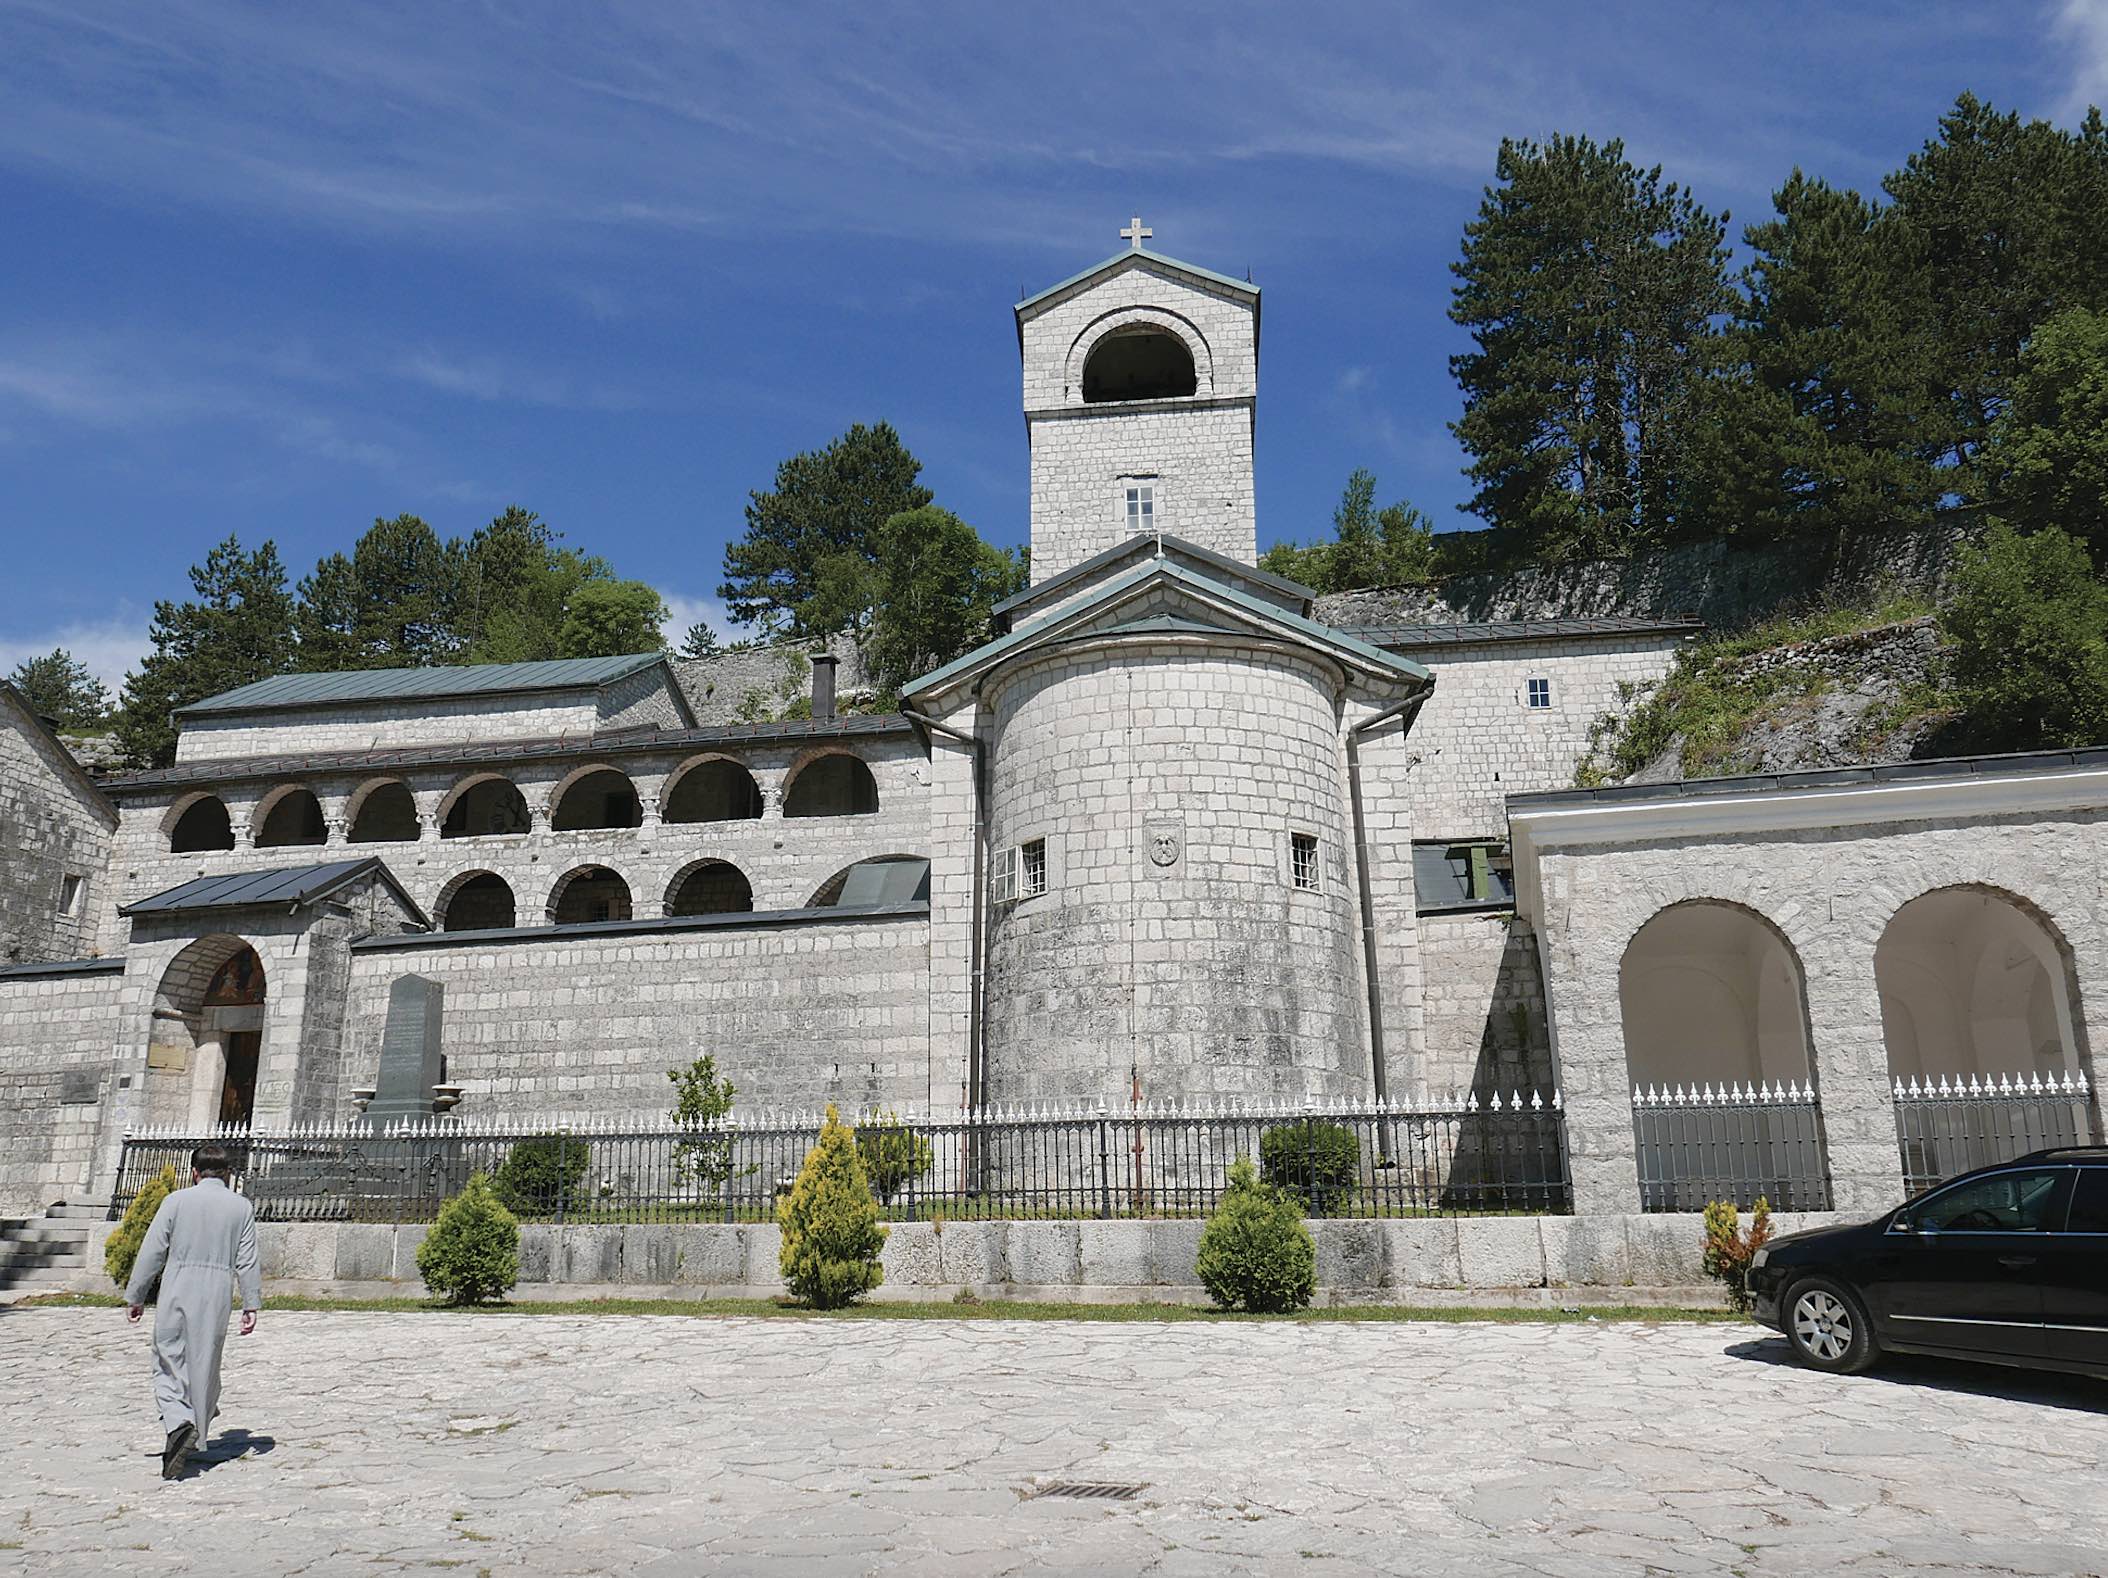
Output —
(279, 269)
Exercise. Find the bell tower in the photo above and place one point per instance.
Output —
(1141, 390)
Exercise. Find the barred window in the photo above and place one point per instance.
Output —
(1303, 860)
(1032, 869)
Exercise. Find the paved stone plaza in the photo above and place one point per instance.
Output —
(558, 1444)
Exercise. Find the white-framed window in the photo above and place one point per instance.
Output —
(69, 895)
(1020, 872)
(1303, 868)
(1537, 692)
(1138, 499)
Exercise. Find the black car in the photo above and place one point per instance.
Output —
(2007, 1264)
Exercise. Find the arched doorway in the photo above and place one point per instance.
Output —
(589, 893)
(600, 797)
(1716, 1047)
(709, 887)
(475, 901)
(836, 784)
(201, 826)
(1979, 1016)
(205, 1045)
(716, 790)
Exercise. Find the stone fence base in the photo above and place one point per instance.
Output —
(1549, 1261)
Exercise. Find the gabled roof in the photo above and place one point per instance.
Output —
(1220, 567)
(1234, 612)
(402, 684)
(293, 887)
(1133, 255)
(67, 762)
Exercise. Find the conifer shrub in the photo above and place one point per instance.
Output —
(831, 1236)
(120, 1251)
(472, 1253)
(1319, 1163)
(1729, 1250)
(539, 1173)
(894, 1155)
(1255, 1252)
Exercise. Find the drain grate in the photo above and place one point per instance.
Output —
(1086, 1490)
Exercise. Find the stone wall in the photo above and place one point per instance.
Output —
(1484, 1011)
(1478, 741)
(415, 720)
(1727, 585)
(53, 827)
(763, 682)
(1207, 969)
(797, 1013)
(57, 1030)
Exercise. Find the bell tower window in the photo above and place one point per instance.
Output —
(1139, 501)
(1142, 363)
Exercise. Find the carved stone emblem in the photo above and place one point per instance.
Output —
(1163, 847)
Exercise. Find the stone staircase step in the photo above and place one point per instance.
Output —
(79, 1211)
(42, 1232)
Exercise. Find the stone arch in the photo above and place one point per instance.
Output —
(592, 797)
(1728, 968)
(197, 823)
(709, 887)
(288, 816)
(1137, 324)
(1975, 980)
(484, 805)
(475, 901)
(589, 893)
(382, 811)
(196, 1068)
(710, 788)
(831, 783)
(896, 886)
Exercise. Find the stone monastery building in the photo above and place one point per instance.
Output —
(1173, 830)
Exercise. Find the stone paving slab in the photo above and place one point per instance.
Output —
(397, 1443)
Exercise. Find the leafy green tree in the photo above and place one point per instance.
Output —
(543, 1174)
(514, 584)
(1392, 546)
(2029, 625)
(826, 502)
(58, 688)
(702, 1100)
(933, 588)
(831, 1235)
(2047, 460)
(236, 629)
(1589, 288)
(1828, 418)
(2012, 219)
(612, 619)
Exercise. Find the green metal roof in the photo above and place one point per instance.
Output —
(401, 684)
(1139, 255)
(294, 887)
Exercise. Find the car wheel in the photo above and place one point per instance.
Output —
(1828, 1326)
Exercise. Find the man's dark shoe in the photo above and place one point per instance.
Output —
(177, 1452)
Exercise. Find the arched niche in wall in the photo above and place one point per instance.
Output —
(879, 879)
(709, 887)
(384, 812)
(715, 789)
(290, 816)
(484, 806)
(836, 784)
(589, 893)
(476, 901)
(1712, 994)
(596, 797)
(202, 824)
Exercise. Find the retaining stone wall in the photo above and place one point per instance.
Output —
(1484, 1013)
(57, 1032)
(51, 828)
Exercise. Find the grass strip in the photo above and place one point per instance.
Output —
(986, 1309)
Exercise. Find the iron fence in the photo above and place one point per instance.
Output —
(1700, 1143)
(1491, 1155)
(1955, 1124)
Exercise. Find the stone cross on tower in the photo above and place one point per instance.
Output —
(1136, 233)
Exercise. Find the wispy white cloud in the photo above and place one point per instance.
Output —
(2081, 27)
(110, 646)
(683, 612)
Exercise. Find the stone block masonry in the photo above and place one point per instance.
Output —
(57, 1032)
(55, 835)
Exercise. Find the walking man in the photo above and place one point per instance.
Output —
(202, 1242)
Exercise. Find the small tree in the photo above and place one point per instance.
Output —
(1318, 1163)
(702, 1099)
(1255, 1252)
(893, 1154)
(831, 1236)
(2029, 623)
(121, 1249)
(542, 1174)
(1729, 1250)
(472, 1253)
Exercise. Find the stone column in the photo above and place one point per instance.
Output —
(1850, 1057)
(1588, 1052)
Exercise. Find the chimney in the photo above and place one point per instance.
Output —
(823, 685)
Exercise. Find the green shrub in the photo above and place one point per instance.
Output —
(1255, 1252)
(1318, 1163)
(539, 1173)
(473, 1251)
(702, 1099)
(893, 1154)
(2029, 623)
(831, 1236)
(121, 1248)
(1729, 1250)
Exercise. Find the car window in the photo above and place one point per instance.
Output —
(2089, 1203)
(2016, 1202)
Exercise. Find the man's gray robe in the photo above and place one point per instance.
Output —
(203, 1240)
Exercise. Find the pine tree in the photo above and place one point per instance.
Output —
(1590, 289)
(826, 502)
(831, 1236)
(237, 629)
(61, 689)
(1392, 546)
(2046, 463)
